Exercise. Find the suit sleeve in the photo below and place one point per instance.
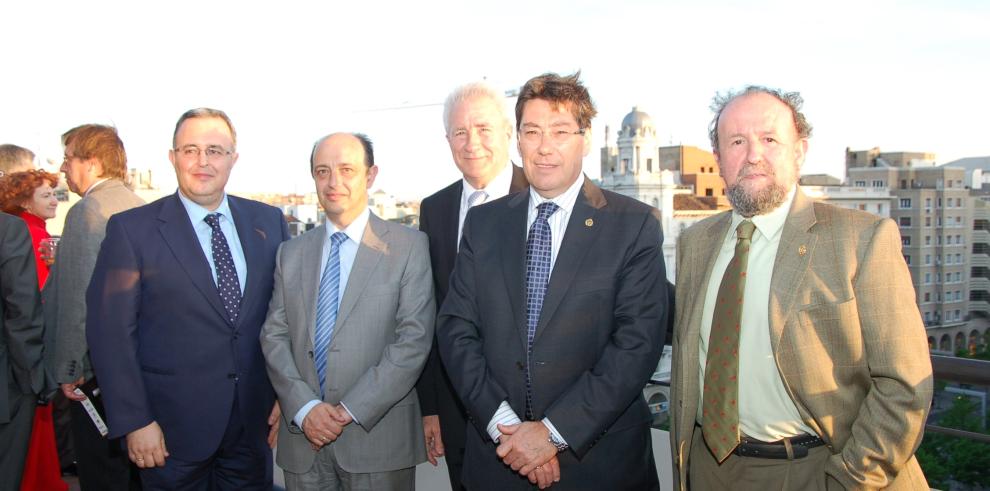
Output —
(23, 328)
(113, 301)
(460, 341)
(386, 383)
(276, 343)
(426, 387)
(890, 423)
(600, 395)
(80, 244)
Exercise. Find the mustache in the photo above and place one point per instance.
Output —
(761, 168)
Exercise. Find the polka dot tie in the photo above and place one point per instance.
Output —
(538, 248)
(326, 307)
(720, 411)
(227, 283)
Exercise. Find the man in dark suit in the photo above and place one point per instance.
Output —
(554, 318)
(478, 131)
(21, 330)
(175, 308)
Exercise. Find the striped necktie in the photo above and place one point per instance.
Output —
(326, 307)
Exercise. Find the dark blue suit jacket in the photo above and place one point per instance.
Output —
(160, 341)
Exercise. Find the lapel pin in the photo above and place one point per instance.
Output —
(589, 222)
(802, 250)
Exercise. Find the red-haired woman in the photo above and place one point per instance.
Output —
(31, 196)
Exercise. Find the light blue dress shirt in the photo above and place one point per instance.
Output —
(197, 215)
(348, 251)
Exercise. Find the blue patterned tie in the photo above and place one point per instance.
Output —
(227, 283)
(326, 307)
(538, 248)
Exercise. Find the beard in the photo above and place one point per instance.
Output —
(759, 202)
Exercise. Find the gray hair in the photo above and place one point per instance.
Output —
(15, 159)
(470, 91)
(792, 100)
(205, 112)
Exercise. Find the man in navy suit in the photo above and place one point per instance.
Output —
(175, 308)
(555, 314)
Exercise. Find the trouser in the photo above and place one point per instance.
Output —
(15, 435)
(326, 474)
(102, 464)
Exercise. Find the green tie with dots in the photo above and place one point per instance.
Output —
(719, 409)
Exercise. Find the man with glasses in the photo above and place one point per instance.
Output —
(95, 167)
(478, 129)
(178, 297)
(554, 319)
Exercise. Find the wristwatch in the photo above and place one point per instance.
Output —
(557, 442)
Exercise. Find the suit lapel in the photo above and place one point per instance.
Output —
(309, 274)
(178, 234)
(369, 254)
(797, 247)
(252, 239)
(512, 233)
(451, 209)
(578, 239)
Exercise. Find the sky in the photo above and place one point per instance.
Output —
(899, 75)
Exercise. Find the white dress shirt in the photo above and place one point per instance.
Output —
(496, 189)
(348, 251)
(766, 411)
(204, 233)
(504, 415)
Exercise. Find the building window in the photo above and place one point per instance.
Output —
(928, 240)
(906, 240)
(958, 202)
(928, 260)
(928, 276)
(928, 297)
(709, 192)
(907, 259)
(905, 221)
(877, 183)
(880, 209)
(948, 240)
(861, 207)
(959, 221)
(649, 165)
(928, 221)
(928, 203)
(860, 184)
(959, 259)
(905, 203)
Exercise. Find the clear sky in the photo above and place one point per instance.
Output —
(900, 75)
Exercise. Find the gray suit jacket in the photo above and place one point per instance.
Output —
(20, 315)
(381, 340)
(65, 290)
(846, 335)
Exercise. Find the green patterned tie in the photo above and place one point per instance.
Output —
(720, 413)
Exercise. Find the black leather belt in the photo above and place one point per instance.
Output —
(789, 448)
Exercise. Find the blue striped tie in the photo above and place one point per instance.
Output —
(326, 307)
(538, 249)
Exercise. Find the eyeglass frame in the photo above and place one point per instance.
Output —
(221, 152)
(556, 135)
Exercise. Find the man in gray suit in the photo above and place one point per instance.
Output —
(95, 166)
(20, 347)
(346, 338)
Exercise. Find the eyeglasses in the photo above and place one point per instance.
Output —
(213, 152)
(535, 136)
(68, 158)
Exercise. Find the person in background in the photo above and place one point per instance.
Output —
(30, 195)
(15, 159)
(95, 166)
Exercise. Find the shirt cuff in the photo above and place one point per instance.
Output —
(504, 415)
(553, 429)
(349, 412)
(303, 411)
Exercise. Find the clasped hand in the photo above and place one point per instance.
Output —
(324, 423)
(526, 448)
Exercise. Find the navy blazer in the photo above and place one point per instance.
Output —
(160, 340)
(598, 340)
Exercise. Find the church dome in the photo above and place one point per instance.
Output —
(636, 121)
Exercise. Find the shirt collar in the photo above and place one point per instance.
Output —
(93, 186)
(498, 187)
(354, 231)
(769, 224)
(564, 200)
(197, 213)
